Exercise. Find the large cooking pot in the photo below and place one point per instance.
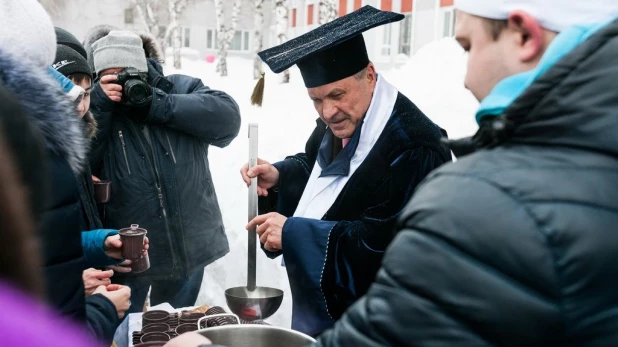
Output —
(248, 335)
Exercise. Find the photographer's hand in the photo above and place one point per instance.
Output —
(112, 90)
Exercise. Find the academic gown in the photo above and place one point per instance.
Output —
(332, 261)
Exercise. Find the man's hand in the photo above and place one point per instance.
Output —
(113, 246)
(95, 278)
(112, 90)
(95, 179)
(190, 339)
(122, 267)
(270, 229)
(119, 295)
(267, 174)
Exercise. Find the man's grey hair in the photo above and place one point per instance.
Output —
(361, 74)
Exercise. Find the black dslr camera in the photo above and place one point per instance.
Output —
(135, 88)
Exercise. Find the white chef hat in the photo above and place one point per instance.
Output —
(555, 15)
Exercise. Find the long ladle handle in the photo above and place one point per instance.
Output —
(253, 207)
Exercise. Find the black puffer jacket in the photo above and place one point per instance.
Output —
(516, 244)
(158, 164)
(59, 214)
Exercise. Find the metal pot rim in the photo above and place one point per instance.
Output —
(257, 327)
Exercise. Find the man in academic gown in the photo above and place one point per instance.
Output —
(334, 206)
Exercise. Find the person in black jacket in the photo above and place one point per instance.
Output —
(155, 152)
(516, 243)
(27, 49)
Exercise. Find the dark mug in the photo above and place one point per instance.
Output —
(132, 241)
(155, 337)
(102, 191)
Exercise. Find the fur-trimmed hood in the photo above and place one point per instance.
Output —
(48, 108)
(90, 124)
(151, 46)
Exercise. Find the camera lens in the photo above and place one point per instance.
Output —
(136, 91)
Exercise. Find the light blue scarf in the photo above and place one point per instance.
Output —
(510, 88)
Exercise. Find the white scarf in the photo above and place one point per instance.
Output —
(321, 192)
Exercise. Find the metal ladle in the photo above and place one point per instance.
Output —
(253, 303)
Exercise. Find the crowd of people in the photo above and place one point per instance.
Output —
(385, 240)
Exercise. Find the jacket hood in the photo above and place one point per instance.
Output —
(151, 45)
(47, 107)
(573, 104)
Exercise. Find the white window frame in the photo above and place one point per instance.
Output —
(409, 17)
(386, 46)
(245, 40)
(242, 41)
(447, 29)
(213, 32)
(182, 38)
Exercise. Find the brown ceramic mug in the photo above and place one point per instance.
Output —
(185, 328)
(132, 241)
(140, 265)
(155, 328)
(102, 191)
(155, 337)
(156, 316)
(191, 317)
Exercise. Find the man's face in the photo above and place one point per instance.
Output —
(488, 59)
(342, 104)
(518, 48)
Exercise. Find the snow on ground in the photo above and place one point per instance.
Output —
(433, 79)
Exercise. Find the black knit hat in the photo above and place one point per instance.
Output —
(69, 61)
(64, 37)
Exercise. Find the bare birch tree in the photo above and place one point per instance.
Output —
(148, 12)
(220, 14)
(258, 8)
(327, 10)
(175, 8)
(281, 10)
(225, 33)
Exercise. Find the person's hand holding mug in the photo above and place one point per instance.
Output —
(113, 247)
(119, 295)
(94, 278)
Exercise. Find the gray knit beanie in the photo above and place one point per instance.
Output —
(119, 49)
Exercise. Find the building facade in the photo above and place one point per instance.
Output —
(389, 46)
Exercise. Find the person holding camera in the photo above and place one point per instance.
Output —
(152, 143)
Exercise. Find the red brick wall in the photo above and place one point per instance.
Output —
(406, 6)
(310, 14)
(343, 7)
(387, 5)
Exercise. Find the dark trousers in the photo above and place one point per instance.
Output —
(178, 293)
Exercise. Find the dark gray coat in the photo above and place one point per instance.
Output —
(516, 244)
(160, 171)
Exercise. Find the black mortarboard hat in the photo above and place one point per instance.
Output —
(331, 52)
